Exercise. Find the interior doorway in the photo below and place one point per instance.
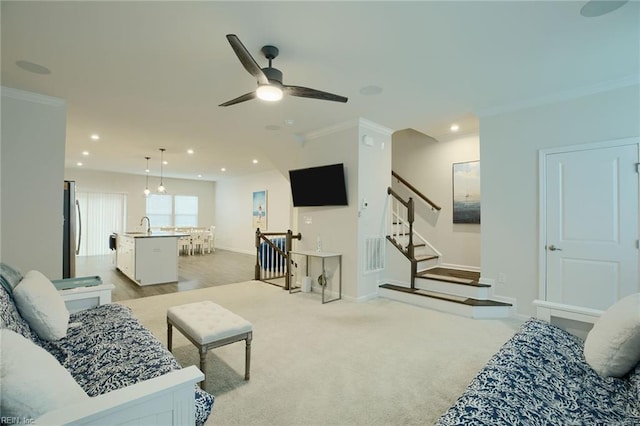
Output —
(589, 223)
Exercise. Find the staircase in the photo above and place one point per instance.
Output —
(455, 291)
(448, 290)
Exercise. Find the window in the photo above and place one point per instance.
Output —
(186, 210)
(170, 210)
(160, 210)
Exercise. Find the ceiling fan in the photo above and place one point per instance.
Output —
(270, 87)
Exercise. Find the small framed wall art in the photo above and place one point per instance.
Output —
(260, 210)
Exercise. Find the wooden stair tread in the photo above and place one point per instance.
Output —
(426, 257)
(459, 273)
(452, 280)
(454, 276)
(447, 297)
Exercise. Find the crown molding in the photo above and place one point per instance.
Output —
(23, 95)
(605, 86)
(350, 124)
(375, 127)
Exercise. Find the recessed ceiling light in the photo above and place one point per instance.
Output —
(595, 8)
(147, 170)
(189, 151)
(255, 161)
(79, 163)
(34, 68)
(85, 153)
(95, 137)
(165, 162)
(454, 127)
(224, 169)
(199, 176)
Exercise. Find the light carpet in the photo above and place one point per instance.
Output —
(379, 362)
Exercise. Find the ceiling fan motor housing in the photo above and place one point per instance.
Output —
(273, 74)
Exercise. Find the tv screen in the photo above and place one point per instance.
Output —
(319, 186)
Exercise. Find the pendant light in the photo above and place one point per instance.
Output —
(146, 189)
(161, 188)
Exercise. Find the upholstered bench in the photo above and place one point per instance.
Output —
(209, 326)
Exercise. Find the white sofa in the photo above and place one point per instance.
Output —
(108, 368)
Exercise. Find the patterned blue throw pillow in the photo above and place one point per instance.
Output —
(9, 277)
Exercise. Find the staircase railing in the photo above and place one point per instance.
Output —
(415, 190)
(402, 218)
(272, 256)
(402, 233)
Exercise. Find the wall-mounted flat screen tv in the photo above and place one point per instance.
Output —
(319, 186)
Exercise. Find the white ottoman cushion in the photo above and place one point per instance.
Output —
(207, 322)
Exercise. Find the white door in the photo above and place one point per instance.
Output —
(592, 226)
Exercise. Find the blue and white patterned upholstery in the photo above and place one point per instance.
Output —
(540, 377)
(106, 348)
(10, 317)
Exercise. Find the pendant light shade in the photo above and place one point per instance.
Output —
(161, 188)
(146, 189)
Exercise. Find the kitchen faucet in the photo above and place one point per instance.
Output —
(148, 223)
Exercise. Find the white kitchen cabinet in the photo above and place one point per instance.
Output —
(148, 258)
(125, 255)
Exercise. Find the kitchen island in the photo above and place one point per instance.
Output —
(148, 257)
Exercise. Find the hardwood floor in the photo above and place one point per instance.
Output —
(198, 271)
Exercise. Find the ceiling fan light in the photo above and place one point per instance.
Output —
(269, 92)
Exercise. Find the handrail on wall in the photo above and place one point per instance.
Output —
(415, 190)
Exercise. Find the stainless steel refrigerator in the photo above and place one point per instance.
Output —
(72, 230)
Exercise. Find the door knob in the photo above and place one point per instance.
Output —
(554, 248)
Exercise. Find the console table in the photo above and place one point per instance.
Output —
(323, 255)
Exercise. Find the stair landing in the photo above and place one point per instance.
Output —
(461, 305)
(449, 290)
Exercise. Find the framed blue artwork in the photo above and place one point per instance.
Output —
(466, 192)
(260, 210)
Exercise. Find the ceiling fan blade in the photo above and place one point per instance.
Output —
(243, 98)
(305, 92)
(246, 59)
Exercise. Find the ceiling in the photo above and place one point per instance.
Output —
(150, 75)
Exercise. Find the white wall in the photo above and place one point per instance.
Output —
(509, 145)
(33, 147)
(374, 177)
(335, 225)
(427, 164)
(133, 186)
(234, 202)
(343, 229)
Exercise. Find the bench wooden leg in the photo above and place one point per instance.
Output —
(247, 357)
(169, 335)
